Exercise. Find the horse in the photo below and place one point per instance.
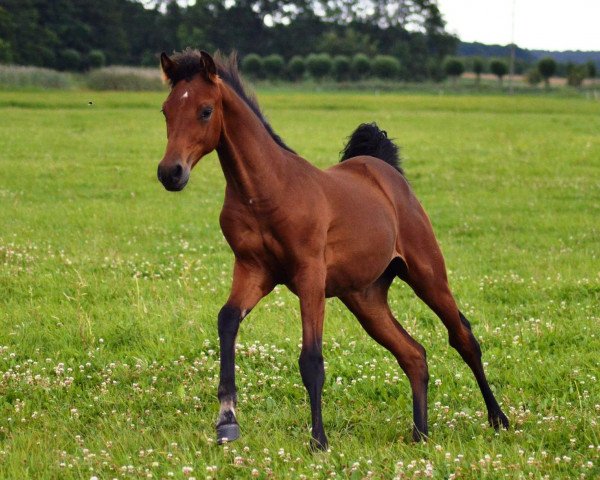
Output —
(346, 232)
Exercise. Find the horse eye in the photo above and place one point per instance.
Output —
(205, 113)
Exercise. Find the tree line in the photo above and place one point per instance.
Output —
(358, 67)
(543, 69)
(341, 39)
(320, 65)
(81, 34)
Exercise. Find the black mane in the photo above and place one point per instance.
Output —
(189, 64)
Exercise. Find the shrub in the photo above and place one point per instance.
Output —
(435, 70)
(273, 66)
(318, 65)
(96, 59)
(499, 68)
(5, 52)
(296, 67)
(361, 66)
(125, 78)
(591, 69)
(576, 75)
(341, 67)
(386, 66)
(533, 77)
(478, 67)
(149, 59)
(13, 76)
(69, 59)
(547, 68)
(454, 67)
(252, 65)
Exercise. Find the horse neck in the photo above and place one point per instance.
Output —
(253, 164)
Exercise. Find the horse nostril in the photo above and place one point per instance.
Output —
(177, 171)
(173, 176)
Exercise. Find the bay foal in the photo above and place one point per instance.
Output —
(344, 232)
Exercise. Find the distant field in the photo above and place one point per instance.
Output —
(110, 288)
(143, 79)
(520, 79)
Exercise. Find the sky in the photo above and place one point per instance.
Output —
(539, 24)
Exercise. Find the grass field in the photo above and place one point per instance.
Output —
(110, 287)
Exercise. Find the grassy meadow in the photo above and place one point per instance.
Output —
(110, 288)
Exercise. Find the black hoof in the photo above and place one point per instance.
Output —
(419, 436)
(318, 445)
(498, 420)
(227, 432)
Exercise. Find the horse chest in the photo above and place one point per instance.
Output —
(254, 242)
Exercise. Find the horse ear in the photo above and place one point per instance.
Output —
(210, 69)
(167, 65)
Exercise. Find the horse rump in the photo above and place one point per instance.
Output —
(368, 139)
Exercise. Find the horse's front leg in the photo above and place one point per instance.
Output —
(311, 291)
(248, 287)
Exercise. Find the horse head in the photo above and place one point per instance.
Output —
(194, 115)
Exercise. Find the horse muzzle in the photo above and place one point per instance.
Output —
(173, 177)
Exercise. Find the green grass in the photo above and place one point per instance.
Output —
(110, 287)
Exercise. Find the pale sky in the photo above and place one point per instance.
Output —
(539, 24)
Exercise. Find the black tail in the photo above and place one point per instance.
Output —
(369, 139)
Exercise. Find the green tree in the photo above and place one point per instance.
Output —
(318, 65)
(499, 68)
(435, 70)
(478, 67)
(345, 42)
(424, 14)
(454, 67)
(37, 32)
(533, 77)
(69, 59)
(296, 67)
(576, 74)
(253, 65)
(341, 67)
(273, 66)
(96, 58)
(31, 43)
(385, 66)
(547, 68)
(591, 69)
(5, 52)
(361, 66)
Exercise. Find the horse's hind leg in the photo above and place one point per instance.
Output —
(431, 285)
(372, 311)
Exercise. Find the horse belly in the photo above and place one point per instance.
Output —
(358, 253)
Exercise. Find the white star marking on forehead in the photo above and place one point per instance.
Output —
(185, 95)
